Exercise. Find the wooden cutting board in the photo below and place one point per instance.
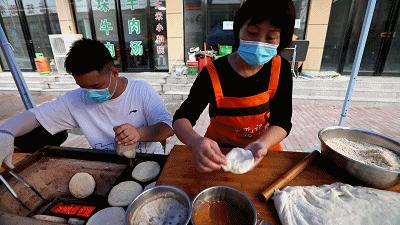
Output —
(180, 171)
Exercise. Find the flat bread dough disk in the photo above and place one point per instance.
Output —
(123, 193)
(146, 171)
(239, 161)
(82, 185)
(108, 216)
(54, 219)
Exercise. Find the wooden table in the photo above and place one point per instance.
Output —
(180, 171)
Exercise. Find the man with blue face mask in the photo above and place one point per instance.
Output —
(110, 110)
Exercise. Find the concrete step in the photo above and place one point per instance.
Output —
(341, 92)
(31, 84)
(177, 87)
(63, 85)
(155, 77)
(355, 99)
(372, 83)
(181, 79)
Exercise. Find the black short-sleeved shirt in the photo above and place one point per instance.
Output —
(234, 85)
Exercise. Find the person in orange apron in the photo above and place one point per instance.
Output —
(249, 92)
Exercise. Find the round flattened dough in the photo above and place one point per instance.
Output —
(146, 171)
(54, 219)
(82, 185)
(108, 216)
(152, 184)
(123, 193)
(239, 161)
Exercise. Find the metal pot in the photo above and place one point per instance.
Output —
(228, 194)
(154, 193)
(371, 175)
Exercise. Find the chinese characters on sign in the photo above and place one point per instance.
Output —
(136, 48)
(106, 26)
(134, 26)
(133, 4)
(103, 5)
(159, 36)
(110, 48)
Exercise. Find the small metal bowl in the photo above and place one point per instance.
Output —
(229, 194)
(372, 175)
(156, 192)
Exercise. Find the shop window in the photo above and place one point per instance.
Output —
(13, 30)
(41, 24)
(82, 18)
(301, 18)
(106, 27)
(134, 31)
(211, 21)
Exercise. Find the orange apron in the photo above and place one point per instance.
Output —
(239, 121)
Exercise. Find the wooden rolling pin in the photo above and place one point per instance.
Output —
(289, 175)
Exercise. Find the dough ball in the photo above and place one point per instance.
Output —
(123, 193)
(239, 161)
(129, 154)
(108, 216)
(82, 185)
(146, 171)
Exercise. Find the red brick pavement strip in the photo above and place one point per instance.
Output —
(309, 118)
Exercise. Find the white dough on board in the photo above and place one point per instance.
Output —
(239, 161)
(336, 203)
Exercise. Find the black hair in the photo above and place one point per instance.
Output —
(280, 13)
(87, 55)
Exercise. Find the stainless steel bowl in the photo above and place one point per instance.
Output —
(156, 192)
(229, 194)
(372, 175)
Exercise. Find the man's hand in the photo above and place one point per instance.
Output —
(126, 134)
(6, 149)
(206, 155)
(259, 150)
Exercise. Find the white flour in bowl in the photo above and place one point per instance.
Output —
(161, 211)
(366, 153)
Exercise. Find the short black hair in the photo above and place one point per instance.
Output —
(87, 55)
(280, 13)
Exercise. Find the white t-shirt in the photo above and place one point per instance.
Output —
(138, 105)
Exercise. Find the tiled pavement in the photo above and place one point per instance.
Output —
(308, 118)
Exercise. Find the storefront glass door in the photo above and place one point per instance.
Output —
(39, 24)
(392, 64)
(12, 27)
(375, 48)
(381, 54)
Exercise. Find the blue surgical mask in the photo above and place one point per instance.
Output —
(100, 95)
(256, 53)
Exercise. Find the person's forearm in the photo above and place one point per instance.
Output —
(157, 132)
(20, 124)
(272, 136)
(185, 132)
